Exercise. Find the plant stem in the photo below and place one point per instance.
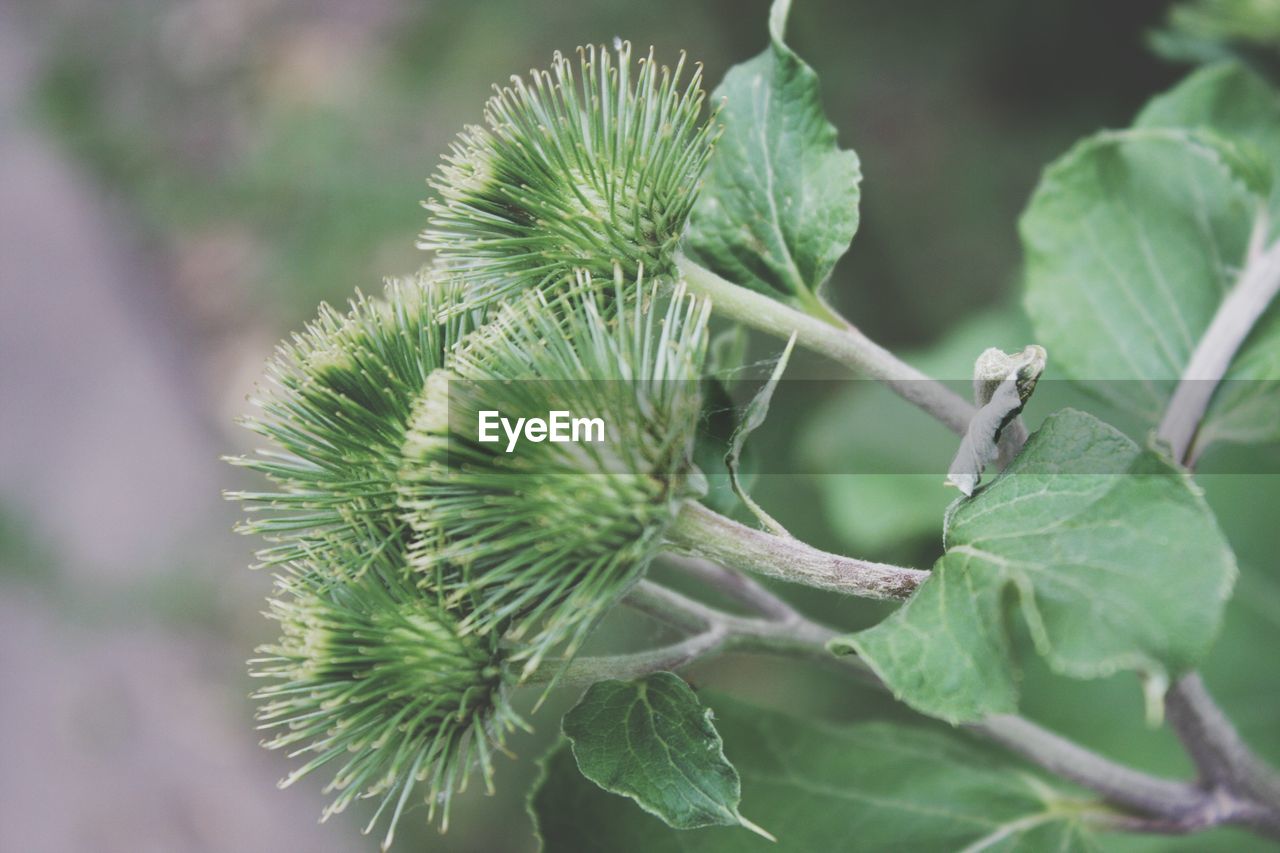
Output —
(585, 671)
(711, 632)
(735, 585)
(1240, 310)
(1220, 754)
(1117, 783)
(797, 636)
(841, 342)
(705, 533)
(1222, 757)
(671, 608)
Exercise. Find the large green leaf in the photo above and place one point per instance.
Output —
(1131, 241)
(780, 202)
(653, 741)
(866, 787)
(1110, 552)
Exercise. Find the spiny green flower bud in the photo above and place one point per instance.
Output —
(375, 680)
(546, 536)
(572, 172)
(336, 405)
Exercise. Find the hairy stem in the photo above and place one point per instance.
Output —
(1222, 757)
(1117, 783)
(796, 635)
(705, 533)
(841, 342)
(735, 585)
(585, 671)
(711, 632)
(1240, 310)
(1220, 754)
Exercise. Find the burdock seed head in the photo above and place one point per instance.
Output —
(335, 406)
(588, 165)
(545, 536)
(373, 681)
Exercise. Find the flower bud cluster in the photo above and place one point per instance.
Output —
(423, 572)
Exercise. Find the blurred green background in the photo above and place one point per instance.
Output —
(185, 179)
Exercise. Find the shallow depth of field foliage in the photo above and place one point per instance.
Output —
(644, 641)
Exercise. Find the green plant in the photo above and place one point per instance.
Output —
(428, 571)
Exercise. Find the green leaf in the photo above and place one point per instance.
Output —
(1208, 30)
(1109, 552)
(779, 205)
(1233, 102)
(1131, 241)
(653, 741)
(755, 414)
(867, 787)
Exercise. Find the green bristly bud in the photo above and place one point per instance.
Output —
(583, 170)
(336, 404)
(547, 537)
(375, 680)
